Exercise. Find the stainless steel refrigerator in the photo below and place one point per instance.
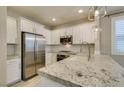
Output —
(33, 54)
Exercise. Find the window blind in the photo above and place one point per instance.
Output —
(118, 35)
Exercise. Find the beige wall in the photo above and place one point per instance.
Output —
(3, 30)
(105, 40)
(105, 36)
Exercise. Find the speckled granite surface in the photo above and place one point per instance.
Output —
(100, 71)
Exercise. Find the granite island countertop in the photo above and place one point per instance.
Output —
(100, 71)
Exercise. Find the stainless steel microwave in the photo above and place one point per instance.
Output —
(66, 39)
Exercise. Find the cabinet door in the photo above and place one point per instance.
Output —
(52, 38)
(77, 35)
(11, 30)
(39, 29)
(27, 25)
(48, 36)
(55, 37)
(69, 31)
(13, 71)
(62, 32)
(48, 59)
(51, 58)
(83, 33)
(88, 34)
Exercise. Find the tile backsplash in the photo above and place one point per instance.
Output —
(11, 50)
(74, 48)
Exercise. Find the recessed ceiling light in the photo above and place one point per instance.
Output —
(53, 19)
(80, 11)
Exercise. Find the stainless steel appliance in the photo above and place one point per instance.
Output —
(61, 57)
(66, 39)
(33, 54)
(64, 54)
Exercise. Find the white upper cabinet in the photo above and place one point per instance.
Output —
(62, 32)
(69, 31)
(77, 35)
(39, 29)
(55, 37)
(82, 33)
(48, 36)
(66, 31)
(88, 33)
(11, 30)
(27, 25)
(33, 27)
(56, 34)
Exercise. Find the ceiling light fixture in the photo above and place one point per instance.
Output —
(53, 19)
(96, 28)
(94, 14)
(80, 11)
(95, 11)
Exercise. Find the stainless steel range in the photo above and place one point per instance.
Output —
(63, 55)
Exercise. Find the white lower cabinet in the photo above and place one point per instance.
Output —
(48, 57)
(51, 58)
(13, 71)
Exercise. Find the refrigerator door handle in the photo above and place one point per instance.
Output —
(34, 49)
(35, 53)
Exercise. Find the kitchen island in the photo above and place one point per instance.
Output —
(77, 71)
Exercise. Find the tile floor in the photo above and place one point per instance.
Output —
(29, 83)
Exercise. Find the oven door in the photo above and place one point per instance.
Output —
(61, 57)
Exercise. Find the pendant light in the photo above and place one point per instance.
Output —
(95, 11)
(94, 14)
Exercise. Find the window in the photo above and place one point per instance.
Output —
(118, 35)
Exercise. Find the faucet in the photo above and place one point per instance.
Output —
(88, 46)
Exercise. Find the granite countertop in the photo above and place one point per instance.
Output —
(100, 71)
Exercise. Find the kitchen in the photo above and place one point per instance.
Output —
(74, 45)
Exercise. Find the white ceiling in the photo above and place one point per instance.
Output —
(63, 14)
